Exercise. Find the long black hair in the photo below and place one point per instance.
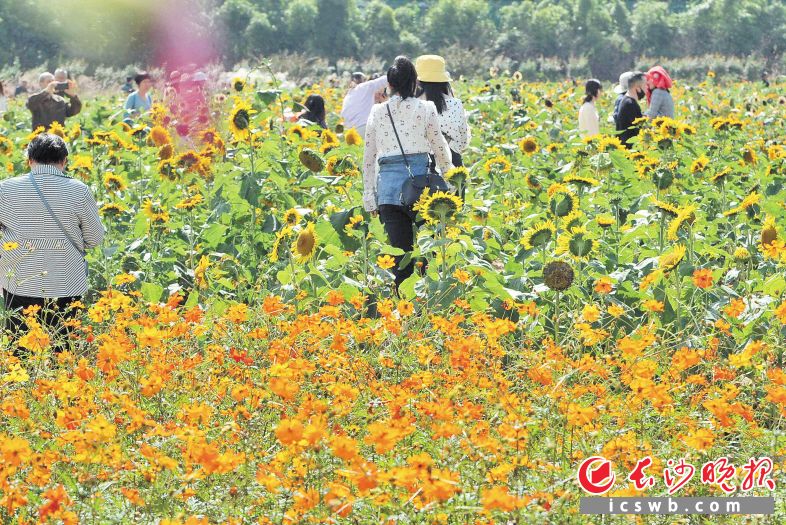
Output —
(592, 88)
(436, 92)
(403, 77)
(315, 110)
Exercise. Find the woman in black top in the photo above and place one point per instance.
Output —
(630, 110)
(315, 111)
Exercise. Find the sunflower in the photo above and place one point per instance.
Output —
(159, 136)
(749, 201)
(10, 245)
(605, 221)
(528, 145)
(280, 236)
(190, 203)
(669, 261)
(291, 217)
(155, 212)
(572, 220)
(166, 152)
(82, 165)
(328, 137)
(240, 120)
(699, 164)
(665, 207)
(114, 183)
(112, 209)
(577, 242)
(749, 156)
(539, 235)
(721, 175)
(305, 246)
(769, 233)
(686, 215)
(238, 84)
(607, 142)
(300, 132)
(438, 207)
(6, 146)
(562, 201)
(57, 129)
(352, 137)
(581, 181)
(341, 166)
(497, 164)
(457, 176)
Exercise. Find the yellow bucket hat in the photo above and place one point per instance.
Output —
(431, 68)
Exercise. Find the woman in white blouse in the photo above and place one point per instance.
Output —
(417, 125)
(434, 81)
(589, 121)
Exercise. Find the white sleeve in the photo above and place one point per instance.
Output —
(370, 165)
(437, 142)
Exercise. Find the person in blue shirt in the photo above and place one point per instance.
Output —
(140, 100)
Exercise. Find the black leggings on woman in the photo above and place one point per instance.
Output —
(400, 226)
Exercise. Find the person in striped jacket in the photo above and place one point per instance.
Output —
(48, 220)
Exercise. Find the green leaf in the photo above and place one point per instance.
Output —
(152, 292)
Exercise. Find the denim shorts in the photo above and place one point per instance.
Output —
(392, 174)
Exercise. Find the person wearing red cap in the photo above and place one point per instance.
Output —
(659, 100)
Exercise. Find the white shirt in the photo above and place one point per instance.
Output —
(418, 128)
(589, 121)
(45, 264)
(3, 104)
(453, 123)
(359, 101)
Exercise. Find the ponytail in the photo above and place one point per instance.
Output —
(592, 88)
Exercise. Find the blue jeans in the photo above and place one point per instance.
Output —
(392, 174)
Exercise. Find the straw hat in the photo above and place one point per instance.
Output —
(431, 68)
(622, 87)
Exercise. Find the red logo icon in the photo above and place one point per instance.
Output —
(591, 479)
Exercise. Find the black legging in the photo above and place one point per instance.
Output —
(53, 315)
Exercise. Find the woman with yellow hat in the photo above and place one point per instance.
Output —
(434, 81)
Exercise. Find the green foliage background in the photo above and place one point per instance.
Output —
(597, 36)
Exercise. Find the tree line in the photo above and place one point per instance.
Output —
(608, 36)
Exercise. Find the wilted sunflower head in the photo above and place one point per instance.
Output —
(670, 260)
(305, 245)
(439, 207)
(581, 181)
(311, 160)
(558, 275)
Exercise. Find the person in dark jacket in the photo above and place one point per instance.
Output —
(52, 105)
(630, 110)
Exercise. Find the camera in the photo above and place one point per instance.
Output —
(61, 86)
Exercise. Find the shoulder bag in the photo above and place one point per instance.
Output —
(413, 187)
(57, 221)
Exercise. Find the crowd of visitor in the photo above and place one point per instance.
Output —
(412, 122)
